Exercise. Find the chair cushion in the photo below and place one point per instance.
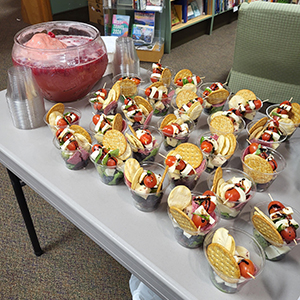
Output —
(267, 56)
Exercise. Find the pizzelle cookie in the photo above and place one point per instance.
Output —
(223, 261)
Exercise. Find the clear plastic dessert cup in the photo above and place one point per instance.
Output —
(218, 276)
(274, 251)
(97, 136)
(166, 79)
(140, 152)
(247, 115)
(193, 238)
(63, 74)
(219, 103)
(288, 125)
(161, 106)
(97, 106)
(74, 159)
(131, 85)
(68, 109)
(271, 144)
(193, 113)
(189, 181)
(110, 175)
(215, 160)
(171, 142)
(238, 127)
(148, 202)
(264, 180)
(232, 209)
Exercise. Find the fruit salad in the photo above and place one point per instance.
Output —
(192, 215)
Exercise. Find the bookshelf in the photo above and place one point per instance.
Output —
(212, 9)
(155, 49)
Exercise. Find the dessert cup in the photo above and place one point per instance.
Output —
(273, 251)
(219, 278)
(232, 209)
(209, 108)
(193, 238)
(148, 202)
(147, 153)
(261, 179)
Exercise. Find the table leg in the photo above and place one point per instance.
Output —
(16, 183)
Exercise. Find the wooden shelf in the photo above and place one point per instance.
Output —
(189, 23)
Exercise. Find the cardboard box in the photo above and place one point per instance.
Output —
(151, 56)
(96, 12)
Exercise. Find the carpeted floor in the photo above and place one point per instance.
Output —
(73, 266)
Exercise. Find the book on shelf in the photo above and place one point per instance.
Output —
(142, 34)
(174, 15)
(190, 12)
(144, 18)
(120, 25)
(154, 5)
(197, 11)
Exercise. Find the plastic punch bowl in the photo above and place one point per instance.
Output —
(57, 71)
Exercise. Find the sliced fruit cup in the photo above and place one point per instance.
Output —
(160, 104)
(238, 126)
(170, 142)
(211, 106)
(218, 261)
(97, 136)
(273, 250)
(193, 238)
(145, 199)
(189, 180)
(193, 112)
(144, 142)
(66, 121)
(271, 143)
(287, 124)
(215, 159)
(263, 179)
(231, 209)
(110, 174)
(99, 106)
(129, 84)
(74, 159)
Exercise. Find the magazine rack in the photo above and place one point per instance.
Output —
(142, 20)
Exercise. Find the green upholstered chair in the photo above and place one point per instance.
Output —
(267, 51)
